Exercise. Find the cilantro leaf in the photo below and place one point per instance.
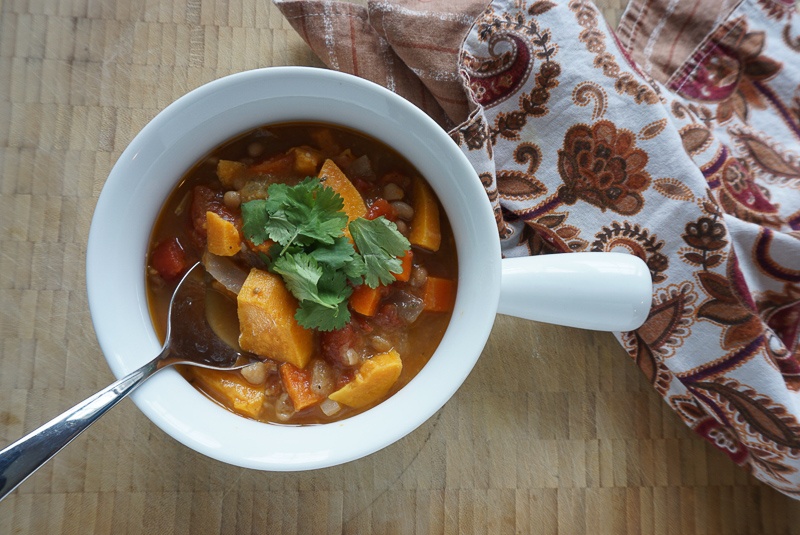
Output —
(304, 213)
(328, 310)
(356, 269)
(327, 221)
(316, 260)
(254, 221)
(380, 244)
(335, 255)
(311, 315)
(301, 273)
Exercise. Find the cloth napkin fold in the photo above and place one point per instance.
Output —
(676, 138)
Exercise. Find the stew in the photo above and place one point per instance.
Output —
(328, 256)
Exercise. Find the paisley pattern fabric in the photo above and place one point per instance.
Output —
(693, 166)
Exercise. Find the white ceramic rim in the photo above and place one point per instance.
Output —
(212, 114)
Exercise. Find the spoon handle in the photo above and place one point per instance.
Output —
(28, 454)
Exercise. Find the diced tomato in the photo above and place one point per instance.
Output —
(381, 207)
(346, 376)
(334, 344)
(363, 324)
(205, 199)
(366, 188)
(169, 259)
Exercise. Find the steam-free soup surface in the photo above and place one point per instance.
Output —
(329, 258)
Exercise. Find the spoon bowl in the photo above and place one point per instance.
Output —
(186, 324)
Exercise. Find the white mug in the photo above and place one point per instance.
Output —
(604, 291)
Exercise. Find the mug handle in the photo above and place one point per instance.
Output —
(596, 291)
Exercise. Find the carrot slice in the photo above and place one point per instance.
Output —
(298, 385)
(405, 262)
(439, 294)
(365, 300)
(425, 227)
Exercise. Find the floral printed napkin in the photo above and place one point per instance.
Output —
(676, 138)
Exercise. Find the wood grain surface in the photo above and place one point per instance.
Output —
(555, 431)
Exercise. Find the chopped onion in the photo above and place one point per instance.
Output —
(409, 306)
(225, 271)
(330, 407)
(361, 167)
(350, 357)
(284, 409)
(321, 377)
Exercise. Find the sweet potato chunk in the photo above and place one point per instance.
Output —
(306, 160)
(223, 236)
(267, 325)
(231, 390)
(425, 226)
(374, 379)
(334, 178)
(231, 173)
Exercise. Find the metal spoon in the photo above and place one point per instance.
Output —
(190, 341)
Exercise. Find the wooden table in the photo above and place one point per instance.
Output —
(554, 431)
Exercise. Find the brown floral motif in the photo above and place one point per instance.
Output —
(653, 129)
(586, 92)
(668, 324)
(496, 78)
(769, 160)
(730, 305)
(755, 413)
(695, 138)
(550, 234)
(738, 194)
(474, 134)
(673, 188)
(791, 41)
(723, 438)
(626, 83)
(513, 42)
(637, 241)
(782, 314)
(522, 186)
(781, 311)
(778, 9)
(730, 70)
(602, 166)
(518, 186)
(706, 237)
(533, 104)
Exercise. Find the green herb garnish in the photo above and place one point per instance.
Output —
(312, 254)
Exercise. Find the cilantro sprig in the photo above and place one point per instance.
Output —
(316, 260)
